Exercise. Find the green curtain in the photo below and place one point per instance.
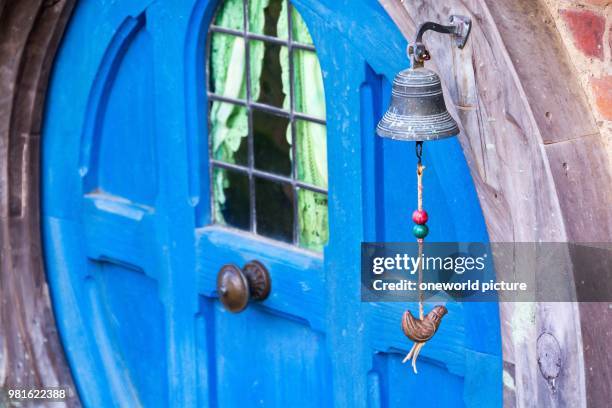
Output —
(311, 138)
(229, 123)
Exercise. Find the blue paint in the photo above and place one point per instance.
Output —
(136, 334)
(132, 260)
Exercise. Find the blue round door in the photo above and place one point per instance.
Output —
(181, 137)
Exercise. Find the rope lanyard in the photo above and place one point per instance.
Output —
(420, 169)
(421, 330)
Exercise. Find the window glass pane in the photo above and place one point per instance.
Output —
(268, 17)
(312, 215)
(300, 32)
(311, 152)
(308, 88)
(259, 138)
(230, 15)
(272, 149)
(227, 66)
(274, 209)
(229, 128)
(269, 64)
(231, 198)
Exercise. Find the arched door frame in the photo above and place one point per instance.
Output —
(31, 351)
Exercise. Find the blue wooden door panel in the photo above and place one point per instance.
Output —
(404, 390)
(275, 353)
(64, 258)
(101, 215)
(283, 363)
(120, 231)
(297, 275)
(129, 336)
(132, 258)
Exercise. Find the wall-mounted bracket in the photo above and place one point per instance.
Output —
(460, 28)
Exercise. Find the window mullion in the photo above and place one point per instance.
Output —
(267, 108)
(262, 37)
(296, 222)
(251, 151)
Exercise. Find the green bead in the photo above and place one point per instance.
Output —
(420, 231)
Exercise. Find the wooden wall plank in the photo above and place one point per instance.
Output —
(557, 101)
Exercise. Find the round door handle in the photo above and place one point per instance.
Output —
(237, 286)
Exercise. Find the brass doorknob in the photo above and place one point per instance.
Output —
(237, 286)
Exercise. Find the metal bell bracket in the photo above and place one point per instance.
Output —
(460, 28)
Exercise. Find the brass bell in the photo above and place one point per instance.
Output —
(417, 111)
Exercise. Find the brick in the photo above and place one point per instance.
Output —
(587, 28)
(602, 90)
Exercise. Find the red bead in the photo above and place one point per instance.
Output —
(420, 217)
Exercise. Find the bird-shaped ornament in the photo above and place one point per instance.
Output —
(421, 330)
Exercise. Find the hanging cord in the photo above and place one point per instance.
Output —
(416, 347)
(420, 168)
(423, 329)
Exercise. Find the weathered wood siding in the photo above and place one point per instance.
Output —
(31, 354)
(541, 173)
